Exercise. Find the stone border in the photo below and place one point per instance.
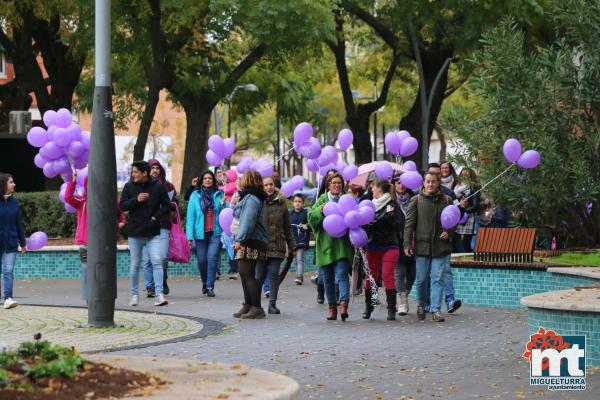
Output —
(209, 327)
(588, 272)
(575, 300)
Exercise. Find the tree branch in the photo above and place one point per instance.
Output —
(339, 51)
(380, 29)
(382, 99)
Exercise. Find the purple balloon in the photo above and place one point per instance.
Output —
(351, 219)
(244, 164)
(329, 155)
(62, 166)
(412, 180)
(62, 137)
(367, 203)
(335, 226)
(50, 133)
(81, 161)
(345, 138)
(358, 237)
(409, 147)
(67, 176)
(332, 208)
(229, 145)
(61, 193)
(263, 167)
(75, 131)
(37, 137)
(347, 203)
(63, 118)
(85, 139)
(70, 209)
(393, 143)
(529, 159)
(463, 219)
(215, 143)
(312, 166)
(49, 118)
(384, 170)
(287, 189)
(403, 135)
(213, 158)
(410, 166)
(340, 166)
(81, 175)
(512, 150)
(37, 240)
(365, 215)
(51, 151)
(311, 149)
(225, 220)
(450, 216)
(75, 149)
(325, 169)
(350, 172)
(39, 161)
(297, 182)
(303, 133)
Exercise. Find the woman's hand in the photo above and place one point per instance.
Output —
(444, 235)
(237, 246)
(190, 243)
(74, 175)
(24, 249)
(408, 252)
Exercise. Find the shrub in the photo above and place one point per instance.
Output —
(42, 211)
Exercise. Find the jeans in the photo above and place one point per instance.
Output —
(208, 251)
(8, 265)
(84, 267)
(337, 272)
(405, 274)
(430, 269)
(269, 268)
(164, 247)
(136, 248)
(299, 262)
(448, 284)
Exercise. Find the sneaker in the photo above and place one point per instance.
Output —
(150, 293)
(437, 316)
(160, 300)
(134, 300)
(232, 277)
(10, 303)
(420, 312)
(267, 294)
(299, 280)
(210, 293)
(455, 305)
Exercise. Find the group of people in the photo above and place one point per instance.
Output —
(407, 245)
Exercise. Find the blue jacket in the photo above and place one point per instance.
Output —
(194, 226)
(11, 225)
(301, 236)
(250, 211)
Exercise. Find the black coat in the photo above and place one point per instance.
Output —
(144, 217)
(387, 227)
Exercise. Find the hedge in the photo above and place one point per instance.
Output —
(42, 211)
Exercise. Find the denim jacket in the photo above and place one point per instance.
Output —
(251, 232)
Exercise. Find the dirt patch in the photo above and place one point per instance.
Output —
(94, 381)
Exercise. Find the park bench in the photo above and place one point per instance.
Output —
(505, 245)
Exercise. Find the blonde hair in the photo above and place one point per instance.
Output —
(251, 179)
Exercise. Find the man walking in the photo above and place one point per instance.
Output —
(146, 201)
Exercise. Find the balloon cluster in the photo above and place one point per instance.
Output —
(63, 146)
(263, 166)
(401, 143)
(37, 240)
(219, 149)
(291, 186)
(79, 189)
(346, 216)
(512, 153)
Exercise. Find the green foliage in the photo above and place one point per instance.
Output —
(547, 98)
(591, 260)
(42, 211)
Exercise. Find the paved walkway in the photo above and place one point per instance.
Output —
(474, 354)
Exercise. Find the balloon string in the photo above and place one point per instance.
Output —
(369, 277)
(496, 177)
(276, 161)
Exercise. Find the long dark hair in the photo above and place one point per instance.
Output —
(209, 172)
(4, 182)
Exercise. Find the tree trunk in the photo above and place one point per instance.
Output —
(359, 124)
(149, 110)
(196, 141)
(433, 61)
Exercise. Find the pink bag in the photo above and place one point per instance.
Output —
(179, 251)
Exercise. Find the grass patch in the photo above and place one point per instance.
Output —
(588, 260)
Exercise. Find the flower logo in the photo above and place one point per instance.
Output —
(543, 340)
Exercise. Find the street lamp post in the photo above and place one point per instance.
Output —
(249, 87)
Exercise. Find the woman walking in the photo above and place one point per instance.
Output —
(405, 270)
(12, 235)
(250, 241)
(383, 247)
(203, 228)
(279, 232)
(468, 184)
(432, 246)
(332, 255)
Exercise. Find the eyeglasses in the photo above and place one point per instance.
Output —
(336, 183)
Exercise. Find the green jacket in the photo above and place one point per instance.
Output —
(279, 229)
(423, 221)
(328, 250)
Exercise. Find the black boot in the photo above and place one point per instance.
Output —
(368, 304)
(320, 294)
(165, 277)
(390, 295)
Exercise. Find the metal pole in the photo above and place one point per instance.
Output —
(228, 132)
(102, 186)
(375, 136)
(278, 142)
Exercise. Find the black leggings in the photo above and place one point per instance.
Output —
(247, 270)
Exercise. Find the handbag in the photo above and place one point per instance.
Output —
(179, 251)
